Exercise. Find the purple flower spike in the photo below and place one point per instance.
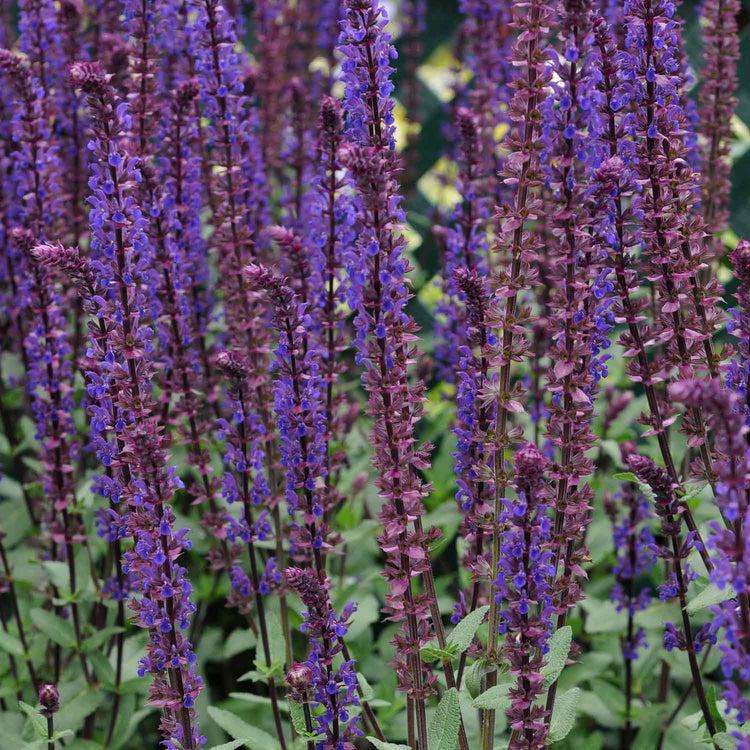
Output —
(332, 690)
(301, 416)
(119, 347)
(523, 591)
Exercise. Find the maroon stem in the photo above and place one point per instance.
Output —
(694, 668)
(521, 196)
(255, 577)
(308, 719)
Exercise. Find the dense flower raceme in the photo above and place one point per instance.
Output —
(298, 153)
(686, 314)
(332, 228)
(579, 298)
(474, 415)
(40, 39)
(487, 29)
(181, 261)
(244, 479)
(384, 340)
(161, 589)
(71, 125)
(333, 689)
(674, 552)
(366, 70)
(49, 386)
(377, 290)
(464, 349)
(141, 18)
(239, 185)
(523, 591)
(36, 167)
(301, 416)
(515, 246)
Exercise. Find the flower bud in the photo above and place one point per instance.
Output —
(49, 697)
(299, 676)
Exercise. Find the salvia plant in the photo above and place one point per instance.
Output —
(374, 375)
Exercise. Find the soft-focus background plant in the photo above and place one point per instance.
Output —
(235, 138)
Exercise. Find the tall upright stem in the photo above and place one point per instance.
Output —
(255, 579)
(501, 422)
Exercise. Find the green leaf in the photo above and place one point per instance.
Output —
(37, 720)
(94, 641)
(128, 720)
(724, 741)
(11, 644)
(236, 728)
(380, 745)
(474, 678)
(239, 640)
(367, 692)
(16, 520)
(442, 734)
(431, 652)
(719, 722)
(559, 647)
(81, 744)
(648, 735)
(495, 698)
(102, 669)
(626, 476)
(602, 617)
(564, 714)
(231, 745)
(55, 628)
(710, 596)
(692, 721)
(64, 733)
(254, 675)
(276, 643)
(58, 573)
(593, 705)
(73, 713)
(298, 717)
(275, 670)
(463, 633)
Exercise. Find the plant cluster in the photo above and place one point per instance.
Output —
(308, 445)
